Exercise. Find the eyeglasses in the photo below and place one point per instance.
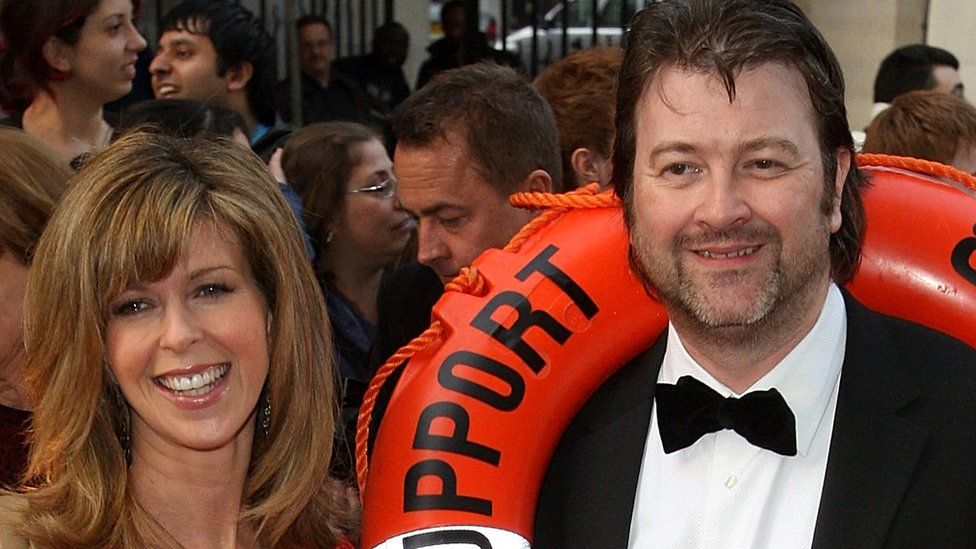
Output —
(384, 189)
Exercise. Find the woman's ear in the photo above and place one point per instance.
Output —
(58, 54)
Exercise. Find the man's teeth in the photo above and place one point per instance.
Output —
(166, 90)
(195, 384)
(737, 253)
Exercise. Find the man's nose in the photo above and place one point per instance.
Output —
(159, 65)
(430, 247)
(723, 202)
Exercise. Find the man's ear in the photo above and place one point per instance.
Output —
(584, 165)
(539, 181)
(238, 76)
(58, 54)
(843, 168)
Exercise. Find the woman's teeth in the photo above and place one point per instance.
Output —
(195, 384)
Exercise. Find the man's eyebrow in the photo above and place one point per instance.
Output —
(671, 147)
(176, 42)
(437, 208)
(771, 143)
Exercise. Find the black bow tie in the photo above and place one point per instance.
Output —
(690, 409)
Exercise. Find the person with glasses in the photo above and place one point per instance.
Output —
(345, 179)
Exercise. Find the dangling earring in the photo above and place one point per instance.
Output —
(328, 237)
(264, 414)
(123, 425)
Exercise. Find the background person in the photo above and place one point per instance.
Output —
(32, 180)
(380, 72)
(345, 179)
(218, 52)
(63, 60)
(581, 90)
(327, 94)
(929, 125)
(179, 357)
(916, 67)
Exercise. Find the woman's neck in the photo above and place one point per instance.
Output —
(67, 121)
(195, 496)
(357, 281)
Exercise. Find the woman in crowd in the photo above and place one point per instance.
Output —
(178, 352)
(32, 180)
(62, 61)
(345, 179)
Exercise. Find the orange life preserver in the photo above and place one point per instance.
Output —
(523, 338)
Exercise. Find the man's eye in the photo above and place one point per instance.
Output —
(765, 164)
(679, 169)
(129, 308)
(212, 290)
(452, 222)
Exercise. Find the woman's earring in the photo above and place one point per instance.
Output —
(264, 414)
(328, 237)
(123, 426)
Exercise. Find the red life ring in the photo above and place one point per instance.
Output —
(534, 329)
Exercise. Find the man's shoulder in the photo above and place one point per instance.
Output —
(913, 344)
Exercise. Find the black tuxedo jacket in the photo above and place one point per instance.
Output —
(902, 465)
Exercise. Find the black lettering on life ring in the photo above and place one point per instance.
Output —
(961, 255)
(458, 442)
(541, 264)
(448, 380)
(448, 499)
(445, 537)
(512, 337)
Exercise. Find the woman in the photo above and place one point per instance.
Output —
(31, 182)
(63, 60)
(345, 179)
(170, 317)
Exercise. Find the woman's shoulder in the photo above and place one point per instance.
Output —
(11, 507)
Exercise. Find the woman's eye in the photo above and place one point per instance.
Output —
(129, 308)
(212, 290)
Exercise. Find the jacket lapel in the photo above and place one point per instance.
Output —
(874, 447)
(607, 455)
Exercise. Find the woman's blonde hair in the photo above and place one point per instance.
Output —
(128, 217)
(32, 180)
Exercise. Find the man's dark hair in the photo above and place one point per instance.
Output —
(909, 68)
(724, 38)
(312, 19)
(238, 37)
(508, 127)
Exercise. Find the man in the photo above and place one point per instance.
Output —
(845, 428)
(580, 89)
(326, 94)
(217, 51)
(380, 72)
(465, 142)
(916, 67)
(460, 46)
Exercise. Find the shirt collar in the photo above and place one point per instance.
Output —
(258, 133)
(806, 377)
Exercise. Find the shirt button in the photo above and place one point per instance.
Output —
(731, 481)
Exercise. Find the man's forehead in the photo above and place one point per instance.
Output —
(178, 36)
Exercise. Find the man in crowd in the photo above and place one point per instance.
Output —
(465, 142)
(217, 51)
(775, 411)
(380, 72)
(916, 67)
(326, 94)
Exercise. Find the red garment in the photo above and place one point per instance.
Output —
(345, 544)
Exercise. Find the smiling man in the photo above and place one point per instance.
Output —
(216, 51)
(776, 411)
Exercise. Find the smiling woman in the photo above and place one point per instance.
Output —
(62, 61)
(172, 315)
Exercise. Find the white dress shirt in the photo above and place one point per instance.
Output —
(723, 492)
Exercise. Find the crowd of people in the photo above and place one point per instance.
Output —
(196, 293)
